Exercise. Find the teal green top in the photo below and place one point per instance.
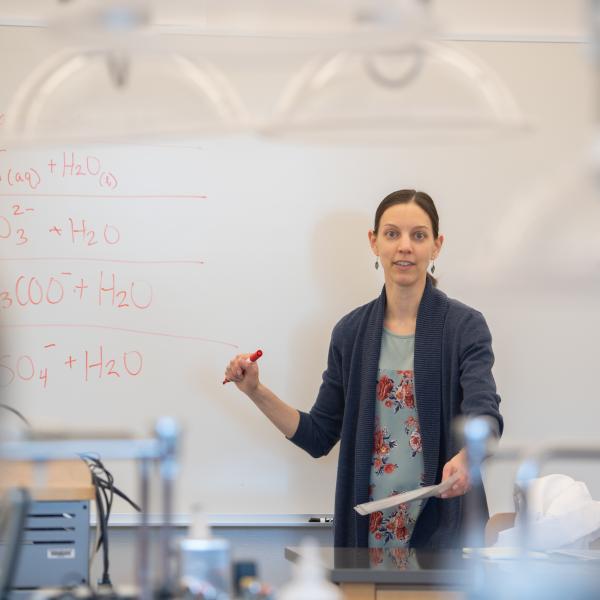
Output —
(397, 461)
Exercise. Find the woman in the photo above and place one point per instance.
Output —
(399, 370)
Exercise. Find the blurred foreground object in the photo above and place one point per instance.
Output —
(55, 529)
(13, 513)
(309, 579)
(371, 68)
(115, 79)
(160, 451)
(561, 513)
(392, 95)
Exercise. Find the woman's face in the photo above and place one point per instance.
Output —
(405, 244)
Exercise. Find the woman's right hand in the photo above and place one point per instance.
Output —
(243, 372)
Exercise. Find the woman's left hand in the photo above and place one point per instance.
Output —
(457, 464)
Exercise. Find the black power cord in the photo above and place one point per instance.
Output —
(15, 412)
(106, 490)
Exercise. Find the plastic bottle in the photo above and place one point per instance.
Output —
(204, 561)
(309, 581)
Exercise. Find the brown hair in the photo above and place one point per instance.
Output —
(422, 200)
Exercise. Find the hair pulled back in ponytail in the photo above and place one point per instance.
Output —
(422, 200)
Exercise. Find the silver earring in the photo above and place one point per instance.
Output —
(377, 263)
(432, 267)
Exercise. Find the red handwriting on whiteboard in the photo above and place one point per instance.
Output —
(104, 289)
(80, 232)
(29, 178)
(20, 368)
(9, 229)
(124, 296)
(72, 165)
(85, 364)
(32, 291)
(99, 364)
(108, 180)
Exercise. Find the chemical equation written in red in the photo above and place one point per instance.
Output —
(67, 165)
(64, 288)
(15, 229)
(30, 235)
(84, 365)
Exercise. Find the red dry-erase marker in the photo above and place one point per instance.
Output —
(252, 358)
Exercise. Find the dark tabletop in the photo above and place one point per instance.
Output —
(545, 576)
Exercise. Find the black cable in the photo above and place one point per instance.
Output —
(106, 515)
(100, 498)
(103, 486)
(97, 465)
(16, 412)
(105, 491)
(105, 580)
(127, 499)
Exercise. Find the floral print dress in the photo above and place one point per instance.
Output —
(397, 460)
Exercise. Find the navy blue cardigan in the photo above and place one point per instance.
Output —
(452, 376)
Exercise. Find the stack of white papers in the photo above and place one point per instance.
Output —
(423, 492)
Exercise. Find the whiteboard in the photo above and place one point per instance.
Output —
(124, 304)
(225, 246)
